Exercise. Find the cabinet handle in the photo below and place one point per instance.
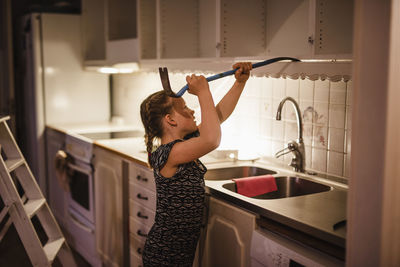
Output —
(139, 251)
(140, 215)
(140, 178)
(141, 234)
(142, 197)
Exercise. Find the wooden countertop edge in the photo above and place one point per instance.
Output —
(123, 155)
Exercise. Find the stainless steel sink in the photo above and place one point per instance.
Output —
(288, 187)
(236, 172)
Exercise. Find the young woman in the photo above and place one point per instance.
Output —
(178, 173)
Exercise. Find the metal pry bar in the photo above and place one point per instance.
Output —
(168, 89)
(165, 82)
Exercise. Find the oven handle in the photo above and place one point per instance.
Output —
(79, 224)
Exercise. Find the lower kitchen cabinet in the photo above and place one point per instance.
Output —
(57, 195)
(228, 237)
(142, 206)
(108, 191)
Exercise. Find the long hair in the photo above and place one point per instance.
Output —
(152, 110)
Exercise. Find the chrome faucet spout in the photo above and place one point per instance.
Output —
(297, 148)
(298, 115)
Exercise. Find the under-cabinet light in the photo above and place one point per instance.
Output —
(107, 70)
(117, 68)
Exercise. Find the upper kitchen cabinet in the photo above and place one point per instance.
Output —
(109, 32)
(173, 29)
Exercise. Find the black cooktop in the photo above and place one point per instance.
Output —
(113, 135)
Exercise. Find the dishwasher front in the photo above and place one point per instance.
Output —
(270, 249)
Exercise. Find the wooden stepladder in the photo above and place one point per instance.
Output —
(23, 200)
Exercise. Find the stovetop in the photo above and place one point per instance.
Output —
(80, 145)
(112, 135)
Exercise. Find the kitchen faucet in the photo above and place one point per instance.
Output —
(297, 148)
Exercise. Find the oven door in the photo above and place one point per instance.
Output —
(81, 197)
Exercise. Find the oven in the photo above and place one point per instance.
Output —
(80, 198)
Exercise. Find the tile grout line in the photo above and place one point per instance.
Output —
(328, 128)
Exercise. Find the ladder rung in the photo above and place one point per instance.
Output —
(12, 164)
(32, 206)
(4, 119)
(52, 247)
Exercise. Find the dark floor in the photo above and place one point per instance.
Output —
(12, 252)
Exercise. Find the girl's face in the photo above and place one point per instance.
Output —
(184, 116)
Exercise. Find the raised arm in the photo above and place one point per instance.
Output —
(210, 131)
(228, 103)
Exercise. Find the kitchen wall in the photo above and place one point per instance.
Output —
(252, 128)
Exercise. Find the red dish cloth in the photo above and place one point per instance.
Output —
(255, 185)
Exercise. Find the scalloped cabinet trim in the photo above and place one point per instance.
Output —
(332, 70)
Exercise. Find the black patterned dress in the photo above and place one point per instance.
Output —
(173, 238)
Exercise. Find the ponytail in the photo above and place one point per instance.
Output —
(152, 111)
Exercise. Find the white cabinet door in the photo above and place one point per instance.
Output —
(109, 32)
(57, 196)
(253, 28)
(228, 238)
(108, 207)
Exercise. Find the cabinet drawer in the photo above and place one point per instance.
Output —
(137, 245)
(138, 229)
(141, 213)
(142, 196)
(136, 260)
(142, 176)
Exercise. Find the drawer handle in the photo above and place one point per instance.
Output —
(141, 234)
(142, 197)
(139, 251)
(140, 215)
(140, 178)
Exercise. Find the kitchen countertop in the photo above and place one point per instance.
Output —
(314, 214)
(91, 127)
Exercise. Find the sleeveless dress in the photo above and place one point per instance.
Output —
(173, 238)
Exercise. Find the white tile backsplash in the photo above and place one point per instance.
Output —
(336, 139)
(278, 130)
(292, 88)
(278, 88)
(291, 132)
(337, 115)
(335, 163)
(320, 113)
(266, 108)
(306, 90)
(326, 109)
(307, 134)
(307, 111)
(266, 127)
(347, 163)
(319, 159)
(348, 141)
(349, 114)
(266, 88)
(320, 136)
(349, 94)
(337, 93)
(321, 91)
(308, 151)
